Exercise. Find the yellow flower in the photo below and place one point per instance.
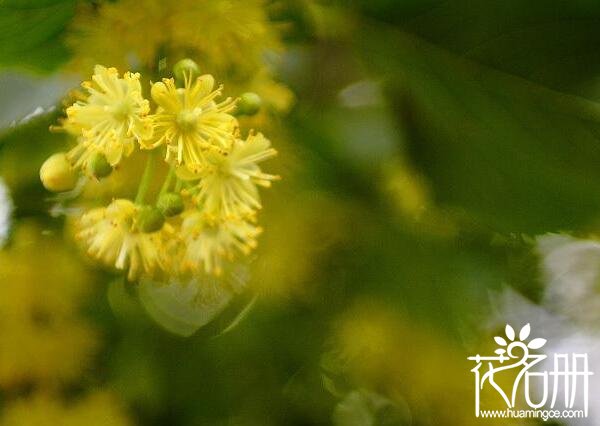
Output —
(228, 187)
(189, 121)
(232, 34)
(372, 332)
(45, 348)
(410, 195)
(44, 338)
(208, 245)
(224, 35)
(303, 231)
(112, 236)
(112, 117)
(99, 408)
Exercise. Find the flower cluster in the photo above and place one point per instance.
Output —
(204, 214)
(237, 40)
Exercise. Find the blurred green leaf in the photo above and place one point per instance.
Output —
(552, 42)
(31, 33)
(518, 156)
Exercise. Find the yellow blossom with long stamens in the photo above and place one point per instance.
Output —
(209, 245)
(189, 122)
(112, 236)
(228, 187)
(111, 119)
(202, 219)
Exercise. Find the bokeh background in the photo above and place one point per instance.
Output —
(427, 149)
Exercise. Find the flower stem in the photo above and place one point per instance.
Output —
(168, 180)
(178, 185)
(146, 178)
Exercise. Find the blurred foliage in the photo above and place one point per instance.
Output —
(31, 33)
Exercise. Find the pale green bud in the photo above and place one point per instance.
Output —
(99, 166)
(186, 68)
(249, 104)
(170, 204)
(149, 219)
(57, 174)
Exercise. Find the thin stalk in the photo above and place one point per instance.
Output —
(178, 185)
(146, 178)
(168, 180)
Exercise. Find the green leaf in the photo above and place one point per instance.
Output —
(515, 155)
(552, 42)
(31, 33)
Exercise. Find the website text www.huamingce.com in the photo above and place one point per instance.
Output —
(545, 415)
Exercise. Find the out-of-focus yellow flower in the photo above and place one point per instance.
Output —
(228, 186)
(111, 118)
(411, 197)
(329, 19)
(227, 37)
(208, 245)
(378, 349)
(45, 349)
(407, 189)
(230, 34)
(99, 408)
(43, 337)
(224, 35)
(112, 235)
(368, 337)
(189, 121)
(303, 228)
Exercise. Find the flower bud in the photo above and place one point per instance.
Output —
(99, 166)
(149, 219)
(170, 204)
(186, 68)
(57, 174)
(249, 104)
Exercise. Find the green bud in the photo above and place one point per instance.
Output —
(184, 68)
(249, 104)
(57, 174)
(149, 219)
(170, 204)
(99, 166)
